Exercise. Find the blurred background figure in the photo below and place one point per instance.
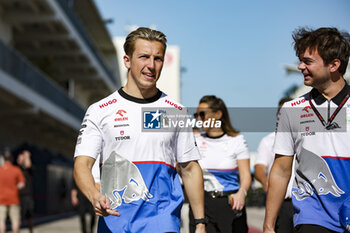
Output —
(11, 180)
(226, 172)
(263, 163)
(82, 204)
(26, 194)
(84, 208)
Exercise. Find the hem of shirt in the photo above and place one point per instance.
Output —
(188, 159)
(284, 153)
(82, 154)
(258, 162)
(313, 222)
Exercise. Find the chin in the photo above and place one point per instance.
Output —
(148, 85)
(308, 83)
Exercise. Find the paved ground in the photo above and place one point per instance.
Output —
(255, 219)
(71, 224)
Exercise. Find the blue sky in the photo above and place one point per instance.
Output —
(233, 49)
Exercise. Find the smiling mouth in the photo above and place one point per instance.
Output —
(149, 76)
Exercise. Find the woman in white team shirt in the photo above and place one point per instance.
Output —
(226, 172)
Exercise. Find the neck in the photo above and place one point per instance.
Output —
(333, 89)
(215, 132)
(141, 93)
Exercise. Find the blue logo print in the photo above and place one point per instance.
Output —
(152, 119)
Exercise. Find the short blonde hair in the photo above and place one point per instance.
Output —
(145, 34)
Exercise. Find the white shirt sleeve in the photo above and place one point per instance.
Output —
(265, 153)
(284, 142)
(186, 147)
(242, 150)
(89, 142)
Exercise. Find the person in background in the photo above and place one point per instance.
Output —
(11, 180)
(26, 194)
(226, 172)
(263, 163)
(83, 206)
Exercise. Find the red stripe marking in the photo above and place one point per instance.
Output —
(140, 162)
(335, 157)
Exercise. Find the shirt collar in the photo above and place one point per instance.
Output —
(139, 100)
(320, 99)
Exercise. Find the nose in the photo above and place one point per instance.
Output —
(301, 66)
(151, 63)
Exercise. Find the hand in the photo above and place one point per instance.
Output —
(200, 228)
(102, 206)
(238, 200)
(75, 201)
(266, 186)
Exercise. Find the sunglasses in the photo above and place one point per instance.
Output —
(200, 114)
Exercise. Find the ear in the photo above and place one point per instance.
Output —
(218, 114)
(127, 61)
(334, 65)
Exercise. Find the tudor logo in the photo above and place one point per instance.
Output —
(122, 132)
(108, 103)
(306, 109)
(307, 128)
(121, 112)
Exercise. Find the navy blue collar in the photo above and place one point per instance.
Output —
(320, 99)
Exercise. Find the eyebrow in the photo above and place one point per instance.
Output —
(306, 59)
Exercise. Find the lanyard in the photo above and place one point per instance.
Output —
(329, 124)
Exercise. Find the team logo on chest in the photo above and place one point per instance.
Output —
(308, 132)
(121, 115)
(122, 137)
(306, 112)
(203, 145)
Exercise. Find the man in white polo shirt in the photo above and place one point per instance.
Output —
(140, 187)
(314, 128)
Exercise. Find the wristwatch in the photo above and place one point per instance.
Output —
(201, 220)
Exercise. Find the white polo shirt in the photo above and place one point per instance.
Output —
(219, 161)
(266, 156)
(322, 156)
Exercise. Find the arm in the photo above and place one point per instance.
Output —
(244, 180)
(27, 162)
(21, 185)
(74, 197)
(21, 181)
(192, 178)
(278, 182)
(260, 175)
(85, 182)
